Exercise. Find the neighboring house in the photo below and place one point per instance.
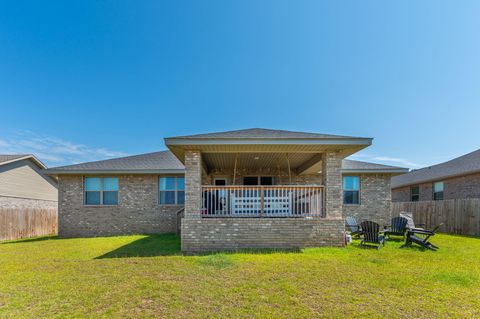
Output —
(23, 183)
(455, 179)
(253, 188)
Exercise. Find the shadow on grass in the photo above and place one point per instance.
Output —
(366, 246)
(29, 240)
(169, 245)
(395, 239)
(149, 246)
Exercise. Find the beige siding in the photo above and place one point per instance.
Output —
(24, 179)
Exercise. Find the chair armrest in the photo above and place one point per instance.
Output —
(421, 231)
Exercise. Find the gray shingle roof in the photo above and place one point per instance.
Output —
(8, 158)
(261, 133)
(11, 157)
(157, 162)
(466, 164)
(165, 161)
(357, 166)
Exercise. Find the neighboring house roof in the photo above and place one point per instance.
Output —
(165, 162)
(159, 162)
(260, 133)
(463, 165)
(351, 166)
(10, 158)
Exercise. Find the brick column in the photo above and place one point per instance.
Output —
(332, 179)
(193, 183)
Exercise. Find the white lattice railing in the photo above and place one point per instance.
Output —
(262, 201)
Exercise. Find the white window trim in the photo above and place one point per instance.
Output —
(176, 190)
(411, 193)
(101, 191)
(352, 190)
(442, 191)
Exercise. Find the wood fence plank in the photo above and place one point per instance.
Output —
(16, 223)
(459, 216)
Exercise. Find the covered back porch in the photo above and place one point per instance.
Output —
(258, 192)
(268, 184)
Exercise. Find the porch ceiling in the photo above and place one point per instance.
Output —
(303, 150)
(257, 160)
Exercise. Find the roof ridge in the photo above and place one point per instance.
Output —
(230, 134)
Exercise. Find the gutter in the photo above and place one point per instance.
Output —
(383, 171)
(266, 141)
(54, 172)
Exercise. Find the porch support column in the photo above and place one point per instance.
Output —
(193, 184)
(332, 179)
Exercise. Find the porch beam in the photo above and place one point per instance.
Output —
(289, 169)
(205, 168)
(315, 160)
(235, 169)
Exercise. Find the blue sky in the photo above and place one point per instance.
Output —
(89, 80)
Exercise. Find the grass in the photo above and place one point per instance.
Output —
(146, 276)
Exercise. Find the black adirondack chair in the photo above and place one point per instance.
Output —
(421, 237)
(398, 227)
(371, 234)
(355, 229)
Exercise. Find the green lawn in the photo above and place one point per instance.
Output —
(146, 276)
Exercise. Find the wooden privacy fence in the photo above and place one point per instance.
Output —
(18, 223)
(459, 216)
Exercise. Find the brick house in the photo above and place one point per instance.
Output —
(253, 188)
(23, 183)
(456, 179)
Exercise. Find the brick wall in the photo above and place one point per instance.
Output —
(332, 179)
(17, 202)
(375, 199)
(193, 184)
(467, 186)
(213, 234)
(137, 212)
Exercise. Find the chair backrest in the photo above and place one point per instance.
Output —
(399, 224)
(409, 217)
(352, 224)
(370, 231)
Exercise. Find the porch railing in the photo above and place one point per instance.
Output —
(262, 201)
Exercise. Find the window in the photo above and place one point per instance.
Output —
(172, 190)
(351, 190)
(414, 193)
(257, 180)
(438, 191)
(101, 190)
(220, 181)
